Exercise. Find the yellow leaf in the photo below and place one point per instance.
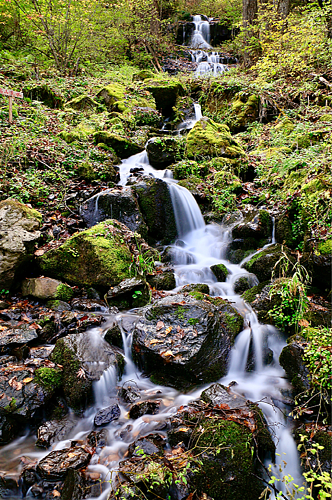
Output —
(56, 493)
(169, 329)
(27, 380)
(168, 353)
(155, 341)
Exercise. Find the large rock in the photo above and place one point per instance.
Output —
(84, 358)
(267, 262)
(56, 464)
(123, 146)
(19, 226)
(318, 261)
(255, 230)
(99, 256)
(47, 288)
(110, 94)
(156, 206)
(208, 138)
(16, 336)
(54, 431)
(117, 203)
(133, 292)
(184, 340)
(162, 151)
(244, 110)
(165, 93)
(291, 359)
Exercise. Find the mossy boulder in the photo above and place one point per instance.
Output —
(285, 126)
(264, 263)
(83, 103)
(291, 359)
(209, 139)
(165, 93)
(156, 207)
(98, 256)
(110, 94)
(123, 146)
(79, 133)
(143, 75)
(220, 271)
(162, 151)
(325, 118)
(283, 231)
(255, 229)
(44, 93)
(244, 110)
(83, 358)
(185, 339)
(164, 280)
(185, 168)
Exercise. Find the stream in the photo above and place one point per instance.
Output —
(198, 247)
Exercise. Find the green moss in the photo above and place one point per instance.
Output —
(286, 126)
(325, 247)
(325, 118)
(208, 139)
(11, 407)
(29, 213)
(64, 292)
(234, 322)
(95, 257)
(250, 295)
(86, 171)
(111, 93)
(79, 133)
(244, 111)
(121, 145)
(50, 378)
(82, 103)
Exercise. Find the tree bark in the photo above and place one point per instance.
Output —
(284, 8)
(249, 12)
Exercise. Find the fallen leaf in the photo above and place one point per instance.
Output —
(27, 380)
(169, 329)
(56, 493)
(168, 353)
(15, 384)
(155, 341)
(159, 325)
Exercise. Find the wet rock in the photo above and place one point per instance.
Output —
(19, 335)
(18, 234)
(89, 305)
(162, 151)
(162, 281)
(74, 487)
(9, 484)
(255, 229)
(184, 339)
(129, 393)
(9, 428)
(47, 288)
(23, 395)
(98, 439)
(151, 444)
(244, 283)
(113, 335)
(284, 234)
(56, 464)
(84, 357)
(263, 263)
(107, 415)
(132, 292)
(3, 305)
(58, 305)
(54, 431)
(291, 359)
(119, 204)
(149, 407)
(156, 206)
(208, 138)
(220, 271)
(196, 287)
(218, 394)
(176, 254)
(99, 256)
(319, 267)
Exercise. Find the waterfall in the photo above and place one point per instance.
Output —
(208, 61)
(187, 214)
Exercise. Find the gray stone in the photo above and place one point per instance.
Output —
(17, 336)
(107, 415)
(46, 288)
(56, 464)
(54, 431)
(18, 234)
(132, 292)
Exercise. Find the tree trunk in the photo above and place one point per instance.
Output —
(284, 8)
(249, 13)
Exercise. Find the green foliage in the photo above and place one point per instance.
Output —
(318, 355)
(290, 290)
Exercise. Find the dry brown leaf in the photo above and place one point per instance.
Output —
(159, 325)
(27, 380)
(15, 384)
(168, 353)
(155, 341)
(56, 493)
(71, 455)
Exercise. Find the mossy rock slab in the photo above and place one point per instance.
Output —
(44, 93)
(165, 93)
(162, 151)
(209, 139)
(263, 263)
(244, 110)
(83, 103)
(84, 357)
(121, 145)
(220, 271)
(97, 257)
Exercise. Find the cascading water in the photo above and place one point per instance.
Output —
(200, 246)
(208, 61)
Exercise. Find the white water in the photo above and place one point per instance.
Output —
(208, 61)
(199, 247)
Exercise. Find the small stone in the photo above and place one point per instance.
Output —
(107, 415)
(148, 407)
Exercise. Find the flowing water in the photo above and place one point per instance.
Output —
(208, 61)
(199, 246)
